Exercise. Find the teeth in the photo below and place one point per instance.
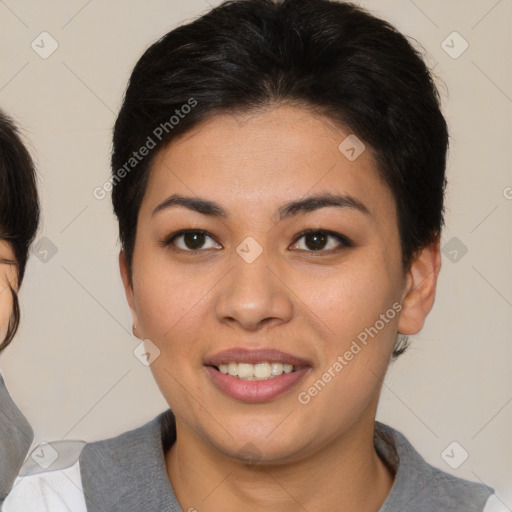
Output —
(277, 368)
(288, 368)
(259, 371)
(245, 370)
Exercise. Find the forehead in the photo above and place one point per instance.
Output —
(264, 158)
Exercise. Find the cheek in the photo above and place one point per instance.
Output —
(171, 306)
(360, 310)
(352, 298)
(171, 310)
(5, 309)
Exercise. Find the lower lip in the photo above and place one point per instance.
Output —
(255, 390)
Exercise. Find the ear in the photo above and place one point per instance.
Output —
(420, 289)
(128, 287)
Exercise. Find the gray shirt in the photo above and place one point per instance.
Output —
(128, 474)
(15, 440)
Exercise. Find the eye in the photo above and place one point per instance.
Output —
(322, 241)
(191, 240)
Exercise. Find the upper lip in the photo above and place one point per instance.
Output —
(254, 356)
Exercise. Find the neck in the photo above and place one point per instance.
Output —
(338, 477)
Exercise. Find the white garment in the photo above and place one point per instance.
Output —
(494, 504)
(51, 491)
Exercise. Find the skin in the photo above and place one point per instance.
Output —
(7, 276)
(312, 304)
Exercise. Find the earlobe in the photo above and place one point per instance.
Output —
(128, 288)
(420, 289)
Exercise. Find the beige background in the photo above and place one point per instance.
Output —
(72, 369)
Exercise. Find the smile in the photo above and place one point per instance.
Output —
(256, 375)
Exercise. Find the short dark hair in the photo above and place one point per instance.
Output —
(19, 206)
(333, 57)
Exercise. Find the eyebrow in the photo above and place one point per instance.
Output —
(289, 209)
(5, 261)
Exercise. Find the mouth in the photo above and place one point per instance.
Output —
(255, 375)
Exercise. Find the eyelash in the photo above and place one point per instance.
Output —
(344, 242)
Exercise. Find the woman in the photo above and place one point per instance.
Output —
(19, 215)
(278, 179)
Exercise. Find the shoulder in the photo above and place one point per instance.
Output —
(15, 437)
(125, 449)
(421, 486)
(49, 480)
(102, 475)
(122, 468)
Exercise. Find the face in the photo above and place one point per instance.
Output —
(261, 248)
(7, 276)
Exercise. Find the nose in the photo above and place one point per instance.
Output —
(254, 295)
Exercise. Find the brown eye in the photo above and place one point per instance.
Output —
(322, 241)
(192, 241)
(316, 241)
